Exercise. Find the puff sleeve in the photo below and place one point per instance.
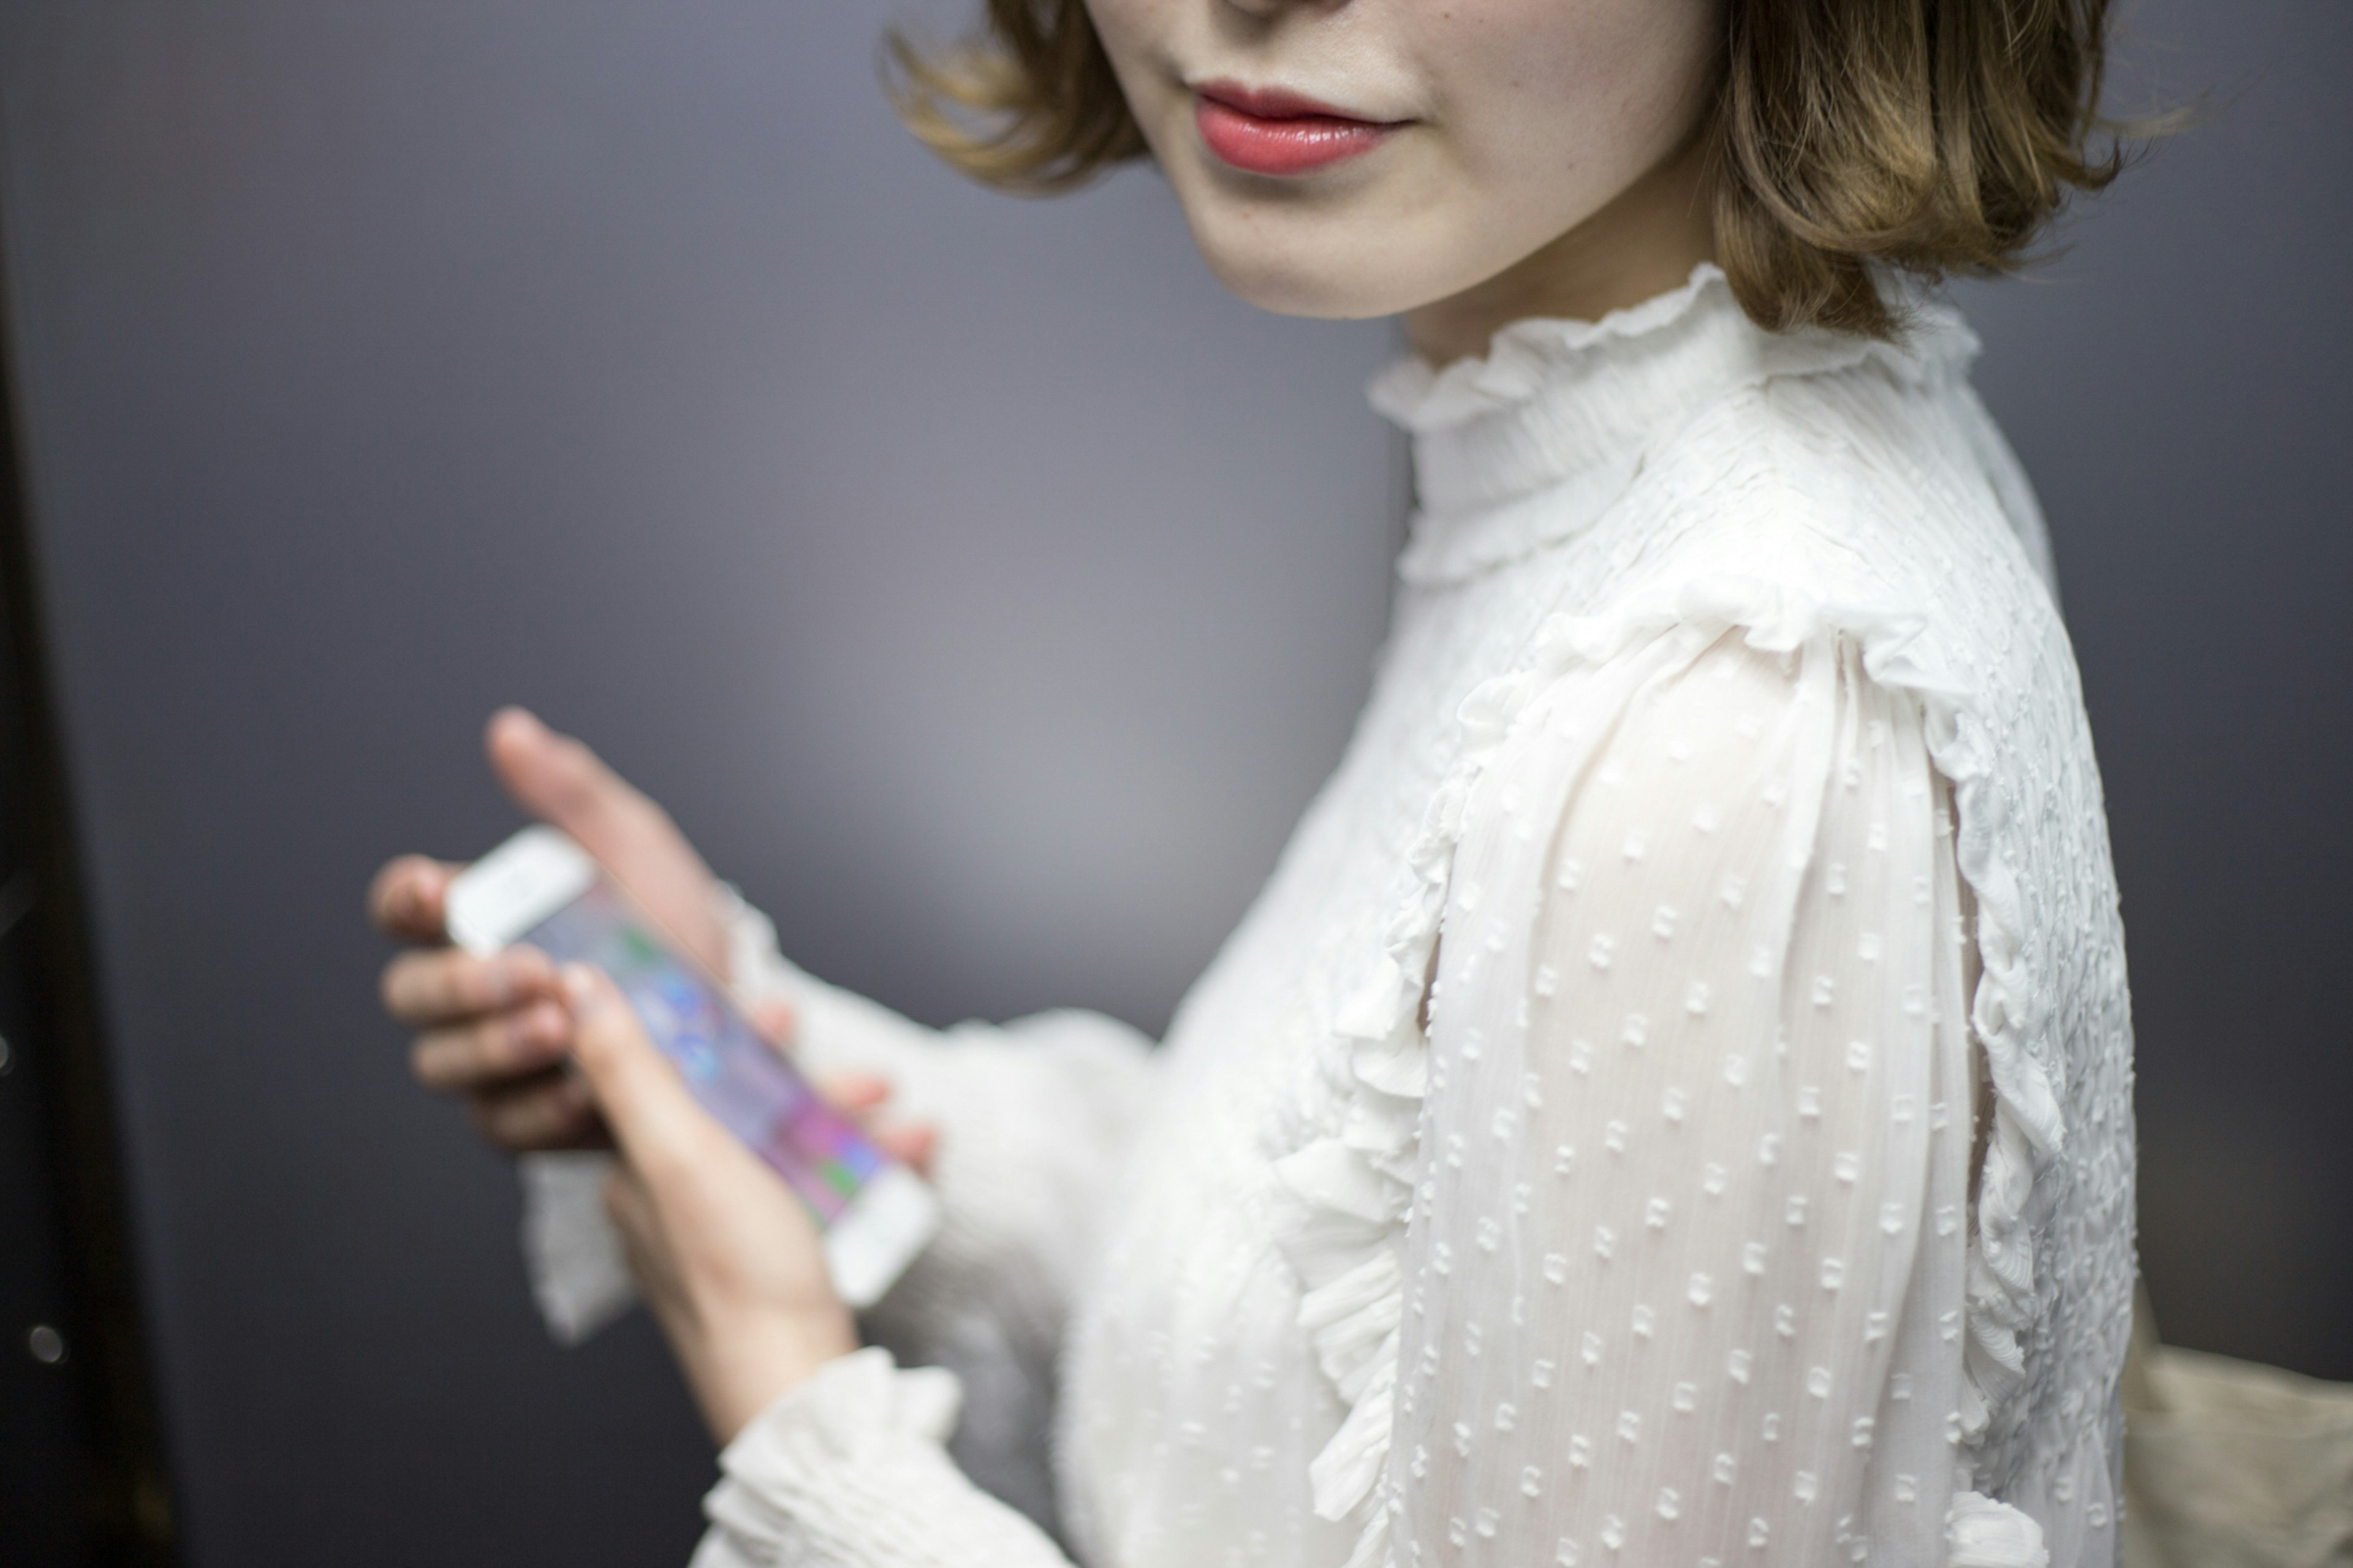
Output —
(1696, 1146)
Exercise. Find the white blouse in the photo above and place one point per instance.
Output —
(1669, 1105)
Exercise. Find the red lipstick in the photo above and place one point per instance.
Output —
(1276, 132)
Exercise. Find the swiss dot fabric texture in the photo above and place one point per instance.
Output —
(1670, 1104)
(1705, 1124)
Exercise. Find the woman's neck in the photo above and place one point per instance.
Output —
(1645, 242)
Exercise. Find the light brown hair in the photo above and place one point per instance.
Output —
(1938, 135)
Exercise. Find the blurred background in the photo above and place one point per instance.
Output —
(981, 588)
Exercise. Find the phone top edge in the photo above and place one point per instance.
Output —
(503, 894)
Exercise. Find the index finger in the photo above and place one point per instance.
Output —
(409, 898)
(653, 1118)
(440, 986)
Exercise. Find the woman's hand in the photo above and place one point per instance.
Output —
(726, 1256)
(495, 1030)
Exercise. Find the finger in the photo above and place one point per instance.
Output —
(653, 1118)
(776, 1023)
(490, 1050)
(431, 988)
(560, 780)
(914, 1144)
(854, 1091)
(551, 1111)
(409, 898)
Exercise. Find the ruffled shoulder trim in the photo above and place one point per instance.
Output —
(1357, 1187)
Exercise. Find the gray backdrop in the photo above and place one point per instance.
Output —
(982, 588)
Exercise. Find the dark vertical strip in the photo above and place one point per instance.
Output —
(82, 1477)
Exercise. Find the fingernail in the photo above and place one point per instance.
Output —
(513, 718)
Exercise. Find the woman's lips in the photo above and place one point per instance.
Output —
(1280, 132)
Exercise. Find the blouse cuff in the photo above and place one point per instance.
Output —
(578, 1276)
(832, 1029)
(856, 1410)
(851, 1466)
(757, 971)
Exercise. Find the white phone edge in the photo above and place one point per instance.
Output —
(497, 899)
(504, 894)
(871, 1242)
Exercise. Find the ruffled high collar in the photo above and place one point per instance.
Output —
(1527, 446)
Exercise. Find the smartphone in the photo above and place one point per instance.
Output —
(542, 889)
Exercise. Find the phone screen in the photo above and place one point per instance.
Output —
(731, 1071)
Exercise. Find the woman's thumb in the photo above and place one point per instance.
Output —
(645, 1102)
(556, 778)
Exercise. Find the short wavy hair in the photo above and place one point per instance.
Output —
(1938, 136)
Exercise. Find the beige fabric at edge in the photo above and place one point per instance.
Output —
(2229, 1464)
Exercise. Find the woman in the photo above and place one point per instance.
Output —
(1671, 1104)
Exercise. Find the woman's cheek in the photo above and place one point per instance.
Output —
(1565, 102)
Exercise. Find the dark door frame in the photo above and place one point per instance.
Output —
(82, 1473)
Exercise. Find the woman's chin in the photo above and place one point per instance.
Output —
(1323, 286)
(1345, 261)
